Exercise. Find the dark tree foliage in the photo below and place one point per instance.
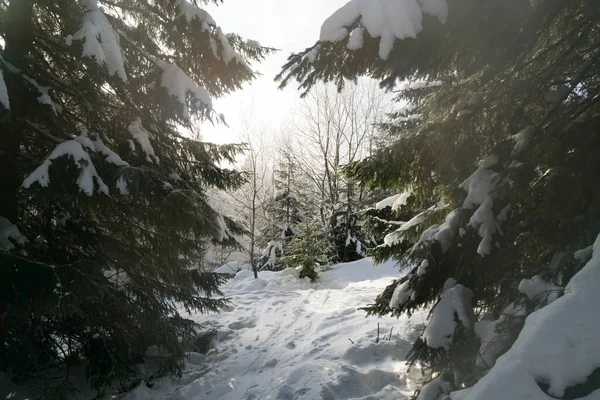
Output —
(502, 66)
(105, 275)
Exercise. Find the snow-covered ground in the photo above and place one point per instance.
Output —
(283, 338)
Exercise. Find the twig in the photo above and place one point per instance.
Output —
(351, 341)
(43, 132)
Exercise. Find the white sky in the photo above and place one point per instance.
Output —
(289, 25)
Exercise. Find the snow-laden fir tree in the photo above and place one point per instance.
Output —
(497, 144)
(310, 250)
(103, 212)
(285, 213)
(384, 218)
(350, 238)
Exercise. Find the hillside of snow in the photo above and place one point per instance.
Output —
(284, 338)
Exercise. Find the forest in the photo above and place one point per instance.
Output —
(405, 204)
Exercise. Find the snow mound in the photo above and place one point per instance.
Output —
(232, 267)
(286, 338)
(564, 333)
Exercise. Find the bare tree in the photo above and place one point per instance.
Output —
(331, 129)
(249, 200)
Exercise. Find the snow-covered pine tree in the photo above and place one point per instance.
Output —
(382, 220)
(497, 145)
(103, 210)
(310, 250)
(350, 239)
(284, 214)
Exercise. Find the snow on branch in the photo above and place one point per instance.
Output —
(402, 293)
(356, 40)
(397, 236)
(455, 303)
(419, 84)
(481, 191)
(100, 41)
(523, 140)
(190, 12)
(271, 252)
(444, 234)
(395, 202)
(9, 233)
(4, 93)
(44, 97)
(178, 84)
(142, 136)
(538, 289)
(74, 150)
(222, 231)
(385, 19)
(229, 52)
(111, 156)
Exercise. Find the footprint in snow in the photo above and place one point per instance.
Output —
(244, 323)
(291, 345)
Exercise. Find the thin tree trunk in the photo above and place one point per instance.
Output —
(253, 227)
(18, 44)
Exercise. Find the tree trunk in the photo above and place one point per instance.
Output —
(253, 227)
(18, 44)
(348, 213)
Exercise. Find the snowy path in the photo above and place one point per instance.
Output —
(288, 339)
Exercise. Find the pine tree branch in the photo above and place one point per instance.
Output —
(579, 75)
(43, 132)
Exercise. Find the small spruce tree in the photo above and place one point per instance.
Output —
(310, 250)
(285, 214)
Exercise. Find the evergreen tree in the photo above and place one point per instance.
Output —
(495, 141)
(350, 239)
(285, 214)
(383, 220)
(310, 250)
(103, 213)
